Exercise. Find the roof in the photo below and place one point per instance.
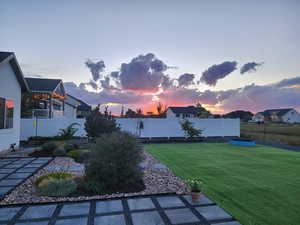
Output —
(42, 84)
(278, 112)
(11, 58)
(83, 106)
(185, 110)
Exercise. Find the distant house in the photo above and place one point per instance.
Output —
(183, 112)
(288, 115)
(11, 87)
(83, 109)
(48, 99)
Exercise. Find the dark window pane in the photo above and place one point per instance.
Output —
(2, 112)
(9, 113)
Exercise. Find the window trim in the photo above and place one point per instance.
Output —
(5, 113)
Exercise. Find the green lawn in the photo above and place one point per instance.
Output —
(257, 185)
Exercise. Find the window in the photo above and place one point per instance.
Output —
(6, 113)
(177, 115)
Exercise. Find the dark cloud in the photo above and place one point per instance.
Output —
(250, 67)
(216, 72)
(93, 84)
(144, 72)
(288, 82)
(95, 68)
(186, 80)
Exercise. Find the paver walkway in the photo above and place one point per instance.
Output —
(13, 171)
(151, 210)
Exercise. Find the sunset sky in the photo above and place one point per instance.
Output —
(227, 55)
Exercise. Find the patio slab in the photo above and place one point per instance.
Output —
(213, 212)
(150, 210)
(14, 171)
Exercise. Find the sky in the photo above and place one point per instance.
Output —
(227, 55)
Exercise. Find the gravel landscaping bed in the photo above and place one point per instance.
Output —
(158, 179)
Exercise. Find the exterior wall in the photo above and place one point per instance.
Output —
(70, 111)
(10, 89)
(291, 117)
(153, 127)
(170, 114)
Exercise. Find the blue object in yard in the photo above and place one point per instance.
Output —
(242, 142)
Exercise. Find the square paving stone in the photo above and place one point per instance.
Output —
(10, 182)
(26, 170)
(181, 216)
(11, 166)
(228, 223)
(33, 223)
(77, 221)
(75, 209)
(8, 213)
(6, 170)
(39, 211)
(110, 220)
(41, 160)
(147, 218)
(140, 203)
(3, 175)
(213, 212)
(109, 206)
(172, 201)
(203, 200)
(34, 165)
(19, 175)
(5, 190)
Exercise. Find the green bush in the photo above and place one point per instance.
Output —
(57, 187)
(59, 151)
(50, 146)
(113, 165)
(56, 175)
(68, 147)
(75, 154)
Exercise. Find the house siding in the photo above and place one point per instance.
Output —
(10, 89)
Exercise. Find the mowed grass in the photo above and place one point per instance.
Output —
(257, 185)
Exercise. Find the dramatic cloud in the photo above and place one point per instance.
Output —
(144, 72)
(216, 72)
(250, 67)
(186, 80)
(285, 93)
(95, 68)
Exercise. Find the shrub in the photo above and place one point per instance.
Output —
(189, 130)
(97, 123)
(75, 154)
(113, 165)
(68, 132)
(69, 147)
(56, 175)
(59, 151)
(57, 187)
(50, 146)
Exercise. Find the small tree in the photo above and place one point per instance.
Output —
(68, 132)
(189, 130)
(97, 123)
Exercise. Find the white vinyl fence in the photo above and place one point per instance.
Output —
(152, 127)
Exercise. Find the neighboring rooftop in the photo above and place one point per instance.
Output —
(83, 106)
(186, 110)
(278, 112)
(42, 84)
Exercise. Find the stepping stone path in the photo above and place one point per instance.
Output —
(150, 210)
(13, 171)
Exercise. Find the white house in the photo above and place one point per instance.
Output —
(11, 86)
(288, 115)
(50, 100)
(183, 112)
